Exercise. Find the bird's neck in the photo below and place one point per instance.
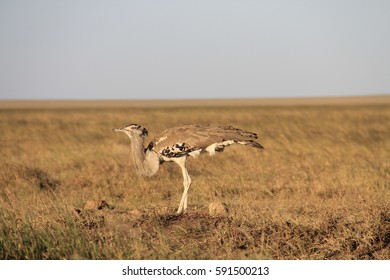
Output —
(146, 164)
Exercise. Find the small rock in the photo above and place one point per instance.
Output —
(135, 213)
(217, 209)
(96, 205)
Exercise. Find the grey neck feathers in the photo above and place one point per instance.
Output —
(146, 164)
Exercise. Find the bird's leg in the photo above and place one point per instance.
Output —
(186, 191)
(186, 184)
(183, 198)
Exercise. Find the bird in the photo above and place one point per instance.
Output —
(176, 144)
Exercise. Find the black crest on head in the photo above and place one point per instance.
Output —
(144, 131)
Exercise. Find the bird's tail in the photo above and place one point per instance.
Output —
(251, 143)
(247, 138)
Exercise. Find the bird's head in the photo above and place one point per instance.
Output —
(133, 130)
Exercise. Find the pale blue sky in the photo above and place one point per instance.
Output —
(193, 49)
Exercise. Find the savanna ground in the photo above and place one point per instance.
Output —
(319, 190)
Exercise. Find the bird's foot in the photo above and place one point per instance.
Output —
(181, 212)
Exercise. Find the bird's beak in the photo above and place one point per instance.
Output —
(117, 129)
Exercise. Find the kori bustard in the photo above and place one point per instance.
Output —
(177, 143)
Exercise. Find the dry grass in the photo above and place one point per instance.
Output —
(319, 190)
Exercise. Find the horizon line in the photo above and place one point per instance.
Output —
(193, 102)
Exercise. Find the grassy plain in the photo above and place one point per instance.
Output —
(319, 190)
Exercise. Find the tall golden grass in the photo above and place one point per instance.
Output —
(319, 190)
